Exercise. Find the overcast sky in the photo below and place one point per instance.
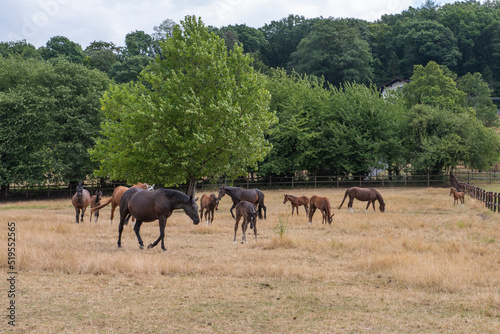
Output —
(85, 21)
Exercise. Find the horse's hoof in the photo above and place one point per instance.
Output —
(141, 246)
(164, 249)
(150, 246)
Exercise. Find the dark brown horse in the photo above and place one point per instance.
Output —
(95, 200)
(209, 203)
(458, 198)
(296, 202)
(80, 200)
(148, 206)
(245, 210)
(254, 196)
(116, 197)
(323, 204)
(363, 194)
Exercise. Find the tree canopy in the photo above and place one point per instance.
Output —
(196, 111)
(49, 119)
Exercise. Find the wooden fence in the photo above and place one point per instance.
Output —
(490, 199)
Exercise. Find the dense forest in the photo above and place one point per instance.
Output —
(322, 74)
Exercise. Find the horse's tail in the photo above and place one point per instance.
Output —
(127, 219)
(346, 192)
(260, 211)
(97, 208)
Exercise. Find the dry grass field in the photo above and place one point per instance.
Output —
(423, 266)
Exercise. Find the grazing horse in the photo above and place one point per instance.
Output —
(116, 197)
(95, 200)
(363, 194)
(148, 206)
(245, 210)
(296, 202)
(80, 200)
(210, 203)
(323, 204)
(458, 198)
(254, 196)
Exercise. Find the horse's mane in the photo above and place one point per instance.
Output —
(175, 195)
(379, 196)
(291, 196)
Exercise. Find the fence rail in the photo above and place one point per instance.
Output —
(490, 199)
(17, 192)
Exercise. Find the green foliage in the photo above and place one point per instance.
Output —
(479, 98)
(196, 111)
(335, 51)
(49, 118)
(430, 85)
(330, 130)
(282, 227)
(61, 48)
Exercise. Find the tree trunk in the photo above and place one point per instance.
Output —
(191, 186)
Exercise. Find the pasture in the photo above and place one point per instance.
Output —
(423, 266)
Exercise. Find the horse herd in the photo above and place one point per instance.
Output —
(145, 204)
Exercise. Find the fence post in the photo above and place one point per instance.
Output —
(314, 181)
(428, 179)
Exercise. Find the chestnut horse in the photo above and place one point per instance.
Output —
(245, 210)
(116, 197)
(254, 196)
(323, 204)
(363, 194)
(296, 202)
(148, 206)
(458, 198)
(95, 200)
(210, 203)
(80, 200)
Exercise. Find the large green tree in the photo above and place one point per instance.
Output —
(197, 111)
(49, 118)
(61, 48)
(441, 129)
(335, 51)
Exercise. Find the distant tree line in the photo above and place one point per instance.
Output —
(321, 74)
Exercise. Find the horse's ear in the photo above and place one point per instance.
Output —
(195, 199)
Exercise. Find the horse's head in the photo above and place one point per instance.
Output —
(79, 190)
(222, 192)
(382, 207)
(98, 195)
(216, 201)
(252, 216)
(191, 209)
(285, 198)
(330, 219)
(150, 188)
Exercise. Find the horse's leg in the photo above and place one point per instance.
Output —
(231, 210)
(306, 208)
(236, 228)
(83, 212)
(255, 229)
(312, 209)
(77, 214)
(96, 215)
(368, 205)
(161, 222)
(243, 230)
(137, 228)
(120, 228)
(349, 205)
(211, 215)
